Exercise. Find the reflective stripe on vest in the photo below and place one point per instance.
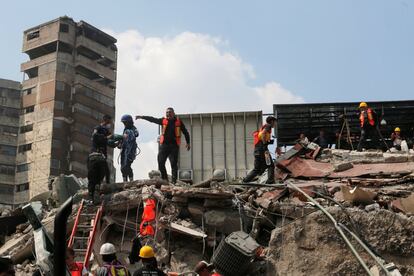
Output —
(259, 135)
(177, 130)
(370, 116)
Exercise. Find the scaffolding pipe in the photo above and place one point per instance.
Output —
(337, 227)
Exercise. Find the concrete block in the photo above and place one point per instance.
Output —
(366, 157)
(225, 221)
(373, 154)
(395, 157)
(340, 153)
(340, 167)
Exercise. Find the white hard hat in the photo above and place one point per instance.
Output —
(107, 249)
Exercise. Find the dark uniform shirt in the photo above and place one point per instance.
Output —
(322, 141)
(148, 270)
(99, 139)
(169, 135)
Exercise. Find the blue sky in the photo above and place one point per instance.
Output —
(320, 50)
(208, 56)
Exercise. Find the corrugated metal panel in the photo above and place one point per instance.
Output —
(219, 141)
(294, 119)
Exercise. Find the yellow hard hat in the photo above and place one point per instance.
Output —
(146, 252)
(363, 104)
(397, 129)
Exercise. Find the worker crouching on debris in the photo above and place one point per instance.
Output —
(396, 138)
(170, 141)
(262, 158)
(368, 124)
(75, 268)
(303, 139)
(6, 267)
(128, 147)
(149, 263)
(111, 266)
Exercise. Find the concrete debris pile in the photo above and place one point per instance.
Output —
(370, 193)
(311, 246)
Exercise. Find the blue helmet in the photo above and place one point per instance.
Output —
(127, 118)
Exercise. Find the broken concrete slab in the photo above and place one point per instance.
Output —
(225, 221)
(395, 157)
(340, 167)
(357, 195)
(308, 168)
(294, 151)
(311, 245)
(378, 169)
(65, 186)
(186, 230)
(266, 199)
(405, 205)
(199, 192)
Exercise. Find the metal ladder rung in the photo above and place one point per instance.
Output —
(84, 226)
(81, 238)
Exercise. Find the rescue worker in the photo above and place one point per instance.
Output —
(321, 140)
(170, 141)
(75, 268)
(96, 163)
(367, 120)
(101, 134)
(262, 157)
(6, 267)
(128, 147)
(302, 139)
(396, 138)
(97, 168)
(111, 266)
(149, 263)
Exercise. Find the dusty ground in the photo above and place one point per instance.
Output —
(312, 246)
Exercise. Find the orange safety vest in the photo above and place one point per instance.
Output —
(370, 116)
(258, 134)
(177, 130)
(76, 269)
(148, 217)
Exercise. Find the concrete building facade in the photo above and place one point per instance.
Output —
(10, 97)
(69, 84)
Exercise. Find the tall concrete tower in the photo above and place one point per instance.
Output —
(69, 84)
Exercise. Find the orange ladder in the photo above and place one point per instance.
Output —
(84, 231)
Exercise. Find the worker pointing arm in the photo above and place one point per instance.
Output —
(170, 140)
(151, 119)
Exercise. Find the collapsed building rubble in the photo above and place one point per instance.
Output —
(369, 194)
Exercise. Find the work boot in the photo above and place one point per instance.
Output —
(89, 201)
